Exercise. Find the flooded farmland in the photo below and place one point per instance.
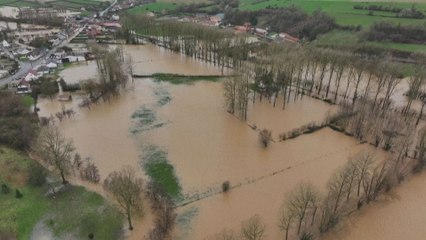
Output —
(206, 145)
(401, 215)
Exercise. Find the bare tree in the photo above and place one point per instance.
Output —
(265, 137)
(253, 229)
(56, 150)
(301, 200)
(286, 221)
(127, 190)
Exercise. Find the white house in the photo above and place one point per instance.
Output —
(52, 65)
(5, 44)
(3, 73)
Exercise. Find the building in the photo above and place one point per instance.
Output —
(32, 75)
(43, 69)
(287, 37)
(23, 87)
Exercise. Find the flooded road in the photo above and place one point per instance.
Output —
(205, 144)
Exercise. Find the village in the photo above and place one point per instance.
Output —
(31, 51)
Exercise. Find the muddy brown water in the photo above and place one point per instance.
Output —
(400, 216)
(205, 144)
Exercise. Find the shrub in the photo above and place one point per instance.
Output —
(37, 175)
(226, 186)
(90, 172)
(18, 194)
(265, 137)
(5, 189)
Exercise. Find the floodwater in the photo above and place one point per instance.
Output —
(400, 216)
(205, 144)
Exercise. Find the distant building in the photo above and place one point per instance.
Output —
(287, 37)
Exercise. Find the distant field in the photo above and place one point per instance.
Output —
(157, 7)
(347, 39)
(342, 10)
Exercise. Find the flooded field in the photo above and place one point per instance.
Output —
(400, 216)
(205, 144)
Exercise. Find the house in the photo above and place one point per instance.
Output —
(37, 53)
(59, 53)
(287, 37)
(43, 69)
(4, 73)
(115, 17)
(70, 59)
(32, 75)
(51, 65)
(23, 87)
(23, 52)
(5, 44)
(260, 31)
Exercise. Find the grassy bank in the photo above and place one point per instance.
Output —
(180, 79)
(75, 211)
(159, 169)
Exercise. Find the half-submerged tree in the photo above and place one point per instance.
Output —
(253, 229)
(265, 137)
(56, 150)
(127, 190)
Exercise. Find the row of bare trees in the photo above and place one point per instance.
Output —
(284, 73)
(307, 212)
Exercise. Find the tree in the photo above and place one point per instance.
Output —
(48, 88)
(301, 200)
(265, 137)
(127, 190)
(56, 150)
(286, 221)
(253, 229)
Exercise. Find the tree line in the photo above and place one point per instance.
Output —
(386, 31)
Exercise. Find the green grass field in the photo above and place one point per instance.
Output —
(346, 39)
(157, 7)
(75, 211)
(342, 10)
(158, 168)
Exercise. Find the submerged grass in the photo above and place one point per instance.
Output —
(157, 166)
(183, 79)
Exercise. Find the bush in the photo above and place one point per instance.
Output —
(265, 137)
(18, 194)
(90, 172)
(226, 186)
(37, 175)
(5, 189)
